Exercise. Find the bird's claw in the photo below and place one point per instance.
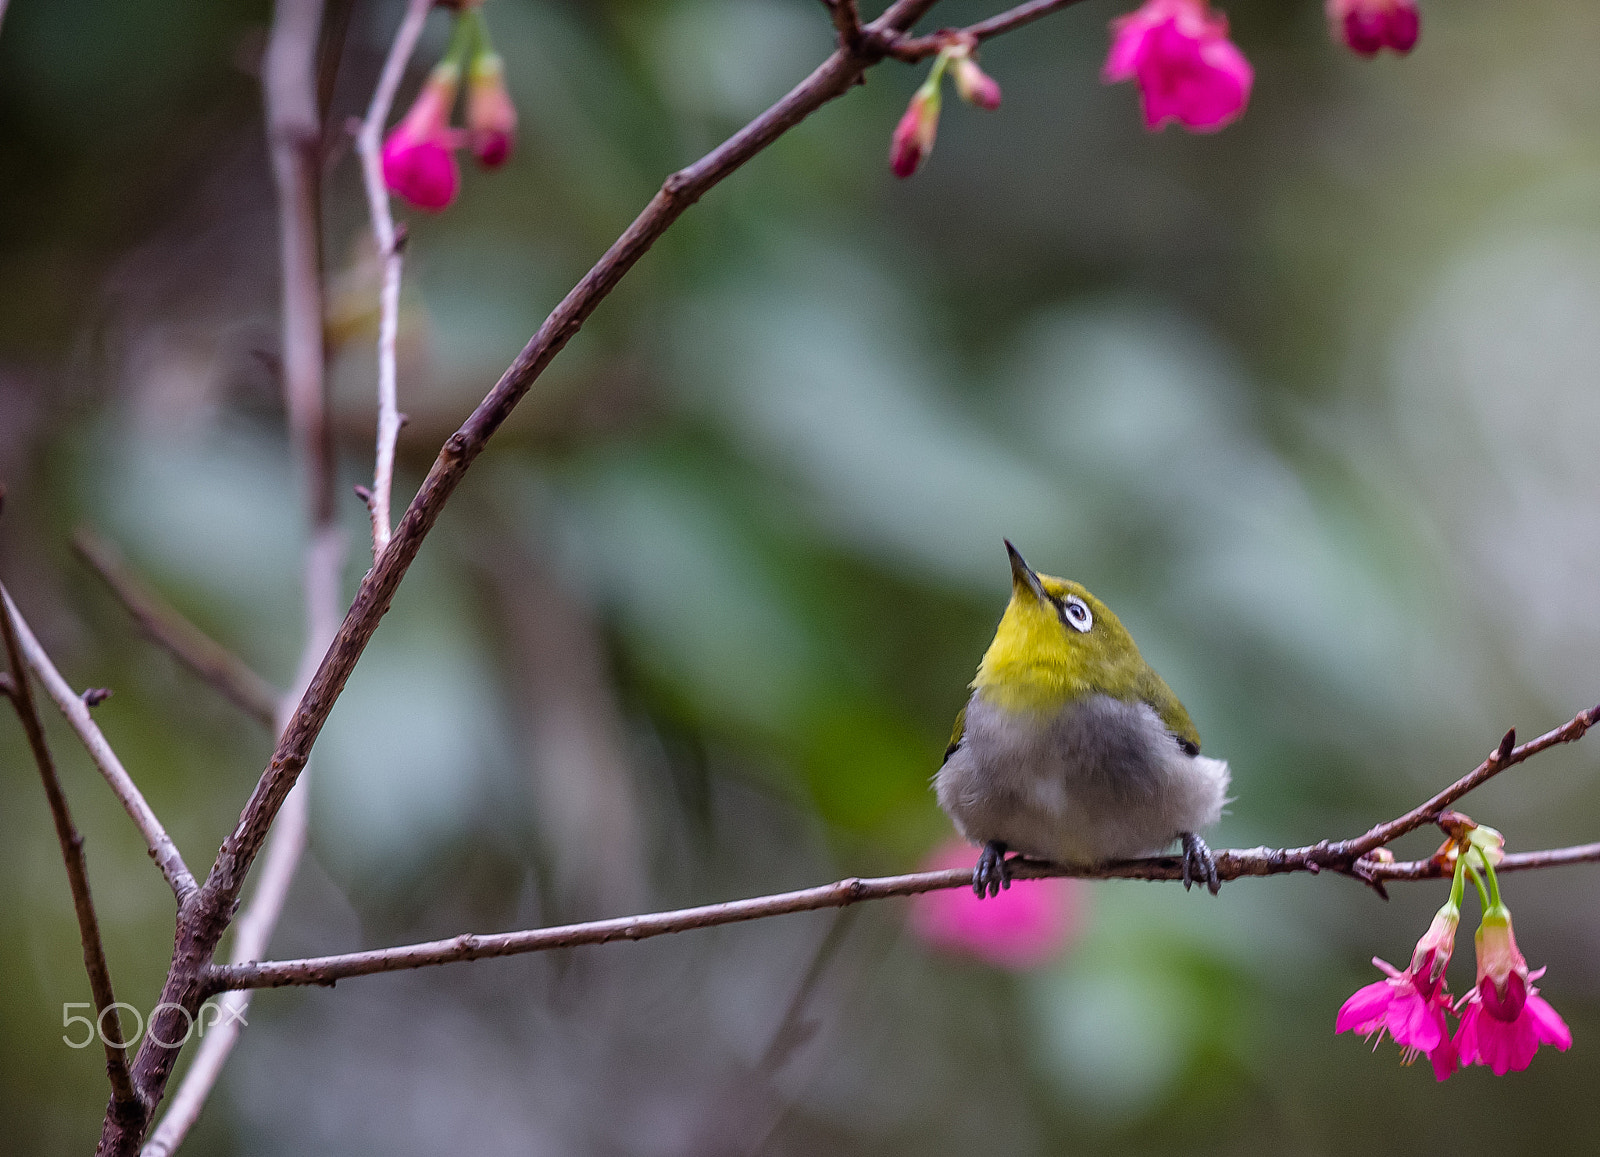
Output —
(1198, 864)
(991, 873)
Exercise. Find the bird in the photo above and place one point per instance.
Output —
(1071, 748)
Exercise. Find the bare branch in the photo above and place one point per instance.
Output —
(847, 22)
(1504, 756)
(369, 142)
(294, 125)
(167, 628)
(911, 49)
(162, 849)
(1349, 857)
(125, 1099)
(1231, 865)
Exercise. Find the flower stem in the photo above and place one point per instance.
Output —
(1494, 884)
(1459, 880)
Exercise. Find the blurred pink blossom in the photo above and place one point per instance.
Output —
(491, 117)
(419, 160)
(1187, 69)
(1368, 25)
(913, 136)
(975, 86)
(1023, 927)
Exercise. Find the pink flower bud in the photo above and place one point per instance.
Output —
(975, 86)
(1027, 925)
(1368, 25)
(418, 155)
(491, 117)
(913, 136)
(1187, 70)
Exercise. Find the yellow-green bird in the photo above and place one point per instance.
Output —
(1071, 748)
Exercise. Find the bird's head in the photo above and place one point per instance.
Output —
(1056, 643)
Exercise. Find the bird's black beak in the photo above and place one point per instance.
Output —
(1023, 577)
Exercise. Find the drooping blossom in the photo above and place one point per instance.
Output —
(1187, 70)
(913, 136)
(418, 155)
(1411, 1006)
(491, 117)
(1369, 25)
(1504, 1020)
(1023, 927)
(975, 86)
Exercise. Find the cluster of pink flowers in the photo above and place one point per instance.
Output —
(1502, 1021)
(1178, 53)
(1025, 926)
(419, 161)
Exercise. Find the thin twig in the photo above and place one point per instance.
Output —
(1233, 864)
(846, 22)
(1504, 756)
(1349, 856)
(793, 1029)
(369, 141)
(912, 49)
(289, 81)
(125, 1099)
(162, 849)
(165, 626)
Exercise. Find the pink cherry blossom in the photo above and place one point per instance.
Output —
(975, 86)
(1411, 1006)
(491, 117)
(1023, 927)
(1504, 1019)
(913, 136)
(1397, 1006)
(1369, 25)
(418, 155)
(1187, 69)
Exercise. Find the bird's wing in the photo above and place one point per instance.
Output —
(957, 732)
(1166, 704)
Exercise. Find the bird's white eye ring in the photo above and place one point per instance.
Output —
(1076, 614)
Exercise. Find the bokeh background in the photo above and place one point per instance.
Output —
(1310, 402)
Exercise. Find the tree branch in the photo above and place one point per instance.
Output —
(162, 849)
(124, 1099)
(846, 22)
(1350, 857)
(369, 141)
(912, 49)
(1232, 864)
(289, 82)
(163, 625)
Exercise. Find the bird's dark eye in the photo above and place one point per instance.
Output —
(1076, 613)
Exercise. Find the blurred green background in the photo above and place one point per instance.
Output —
(1311, 403)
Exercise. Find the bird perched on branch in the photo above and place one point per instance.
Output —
(1071, 748)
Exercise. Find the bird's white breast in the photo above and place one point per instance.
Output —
(1100, 780)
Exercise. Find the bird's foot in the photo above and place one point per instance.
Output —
(1198, 864)
(991, 873)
